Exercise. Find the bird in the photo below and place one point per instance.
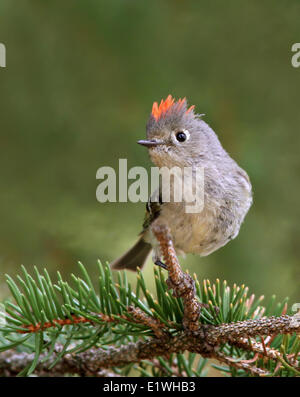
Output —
(179, 137)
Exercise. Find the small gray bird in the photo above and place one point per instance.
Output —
(178, 137)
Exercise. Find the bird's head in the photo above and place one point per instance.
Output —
(176, 135)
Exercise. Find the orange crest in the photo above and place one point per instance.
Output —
(159, 110)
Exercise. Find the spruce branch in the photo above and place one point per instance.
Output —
(182, 283)
(12, 363)
(245, 366)
(252, 328)
(57, 328)
(96, 358)
(155, 324)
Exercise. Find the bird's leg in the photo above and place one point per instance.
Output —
(156, 257)
(158, 262)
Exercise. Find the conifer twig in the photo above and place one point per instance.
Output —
(36, 311)
(257, 348)
(266, 326)
(205, 341)
(182, 283)
(241, 365)
(12, 363)
(151, 322)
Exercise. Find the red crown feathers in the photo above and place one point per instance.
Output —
(159, 110)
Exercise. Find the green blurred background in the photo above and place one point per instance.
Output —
(80, 81)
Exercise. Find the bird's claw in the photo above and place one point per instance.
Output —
(160, 264)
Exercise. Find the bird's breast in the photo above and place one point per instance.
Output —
(203, 232)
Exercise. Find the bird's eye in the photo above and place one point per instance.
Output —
(181, 136)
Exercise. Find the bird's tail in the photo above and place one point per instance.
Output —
(134, 257)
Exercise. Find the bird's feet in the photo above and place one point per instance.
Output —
(160, 264)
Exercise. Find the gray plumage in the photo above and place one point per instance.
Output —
(227, 188)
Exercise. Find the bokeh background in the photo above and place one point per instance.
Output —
(80, 81)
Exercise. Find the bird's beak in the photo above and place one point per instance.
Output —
(150, 143)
